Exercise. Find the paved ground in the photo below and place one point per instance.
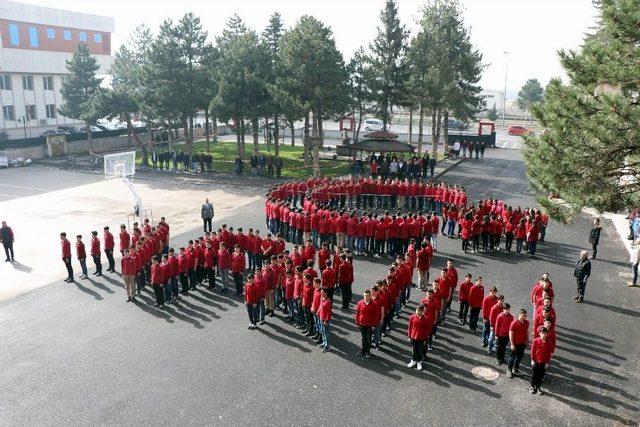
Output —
(78, 354)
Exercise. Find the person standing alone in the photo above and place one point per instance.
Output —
(206, 213)
(6, 237)
(594, 237)
(582, 273)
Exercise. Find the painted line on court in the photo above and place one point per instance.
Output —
(24, 188)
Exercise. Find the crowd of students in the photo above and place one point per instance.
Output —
(347, 213)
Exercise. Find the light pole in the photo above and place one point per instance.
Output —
(504, 95)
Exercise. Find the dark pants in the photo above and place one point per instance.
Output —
(184, 281)
(83, 265)
(581, 285)
(207, 224)
(112, 262)
(67, 263)
(594, 246)
(537, 374)
(157, 289)
(418, 350)
(98, 263)
(252, 311)
(519, 243)
(508, 241)
(237, 279)
(516, 357)
(211, 276)
(365, 332)
(473, 318)
(345, 291)
(464, 309)
(501, 348)
(8, 250)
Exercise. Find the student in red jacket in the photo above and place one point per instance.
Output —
(503, 325)
(209, 265)
(476, 297)
(518, 338)
(224, 263)
(157, 281)
(66, 256)
(82, 256)
(487, 305)
(125, 239)
(496, 309)
(418, 332)
(324, 316)
(251, 301)
(345, 279)
(174, 273)
(328, 277)
(520, 234)
(541, 351)
(108, 249)
(95, 253)
(423, 263)
(366, 318)
(237, 268)
(463, 299)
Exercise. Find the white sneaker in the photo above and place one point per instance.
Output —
(412, 364)
(419, 366)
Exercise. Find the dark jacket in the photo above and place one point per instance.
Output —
(583, 268)
(594, 236)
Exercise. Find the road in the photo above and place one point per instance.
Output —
(79, 354)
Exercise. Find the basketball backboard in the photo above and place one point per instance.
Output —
(120, 165)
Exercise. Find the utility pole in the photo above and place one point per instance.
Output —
(504, 97)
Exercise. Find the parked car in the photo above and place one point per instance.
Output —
(454, 124)
(94, 129)
(68, 129)
(518, 130)
(372, 125)
(54, 132)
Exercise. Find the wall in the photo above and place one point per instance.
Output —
(32, 153)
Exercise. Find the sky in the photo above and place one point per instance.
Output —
(531, 31)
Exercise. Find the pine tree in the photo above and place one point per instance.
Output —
(80, 90)
(271, 37)
(588, 153)
(529, 95)
(387, 51)
(359, 90)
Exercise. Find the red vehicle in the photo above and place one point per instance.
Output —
(518, 130)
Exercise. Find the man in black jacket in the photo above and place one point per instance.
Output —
(582, 273)
(6, 237)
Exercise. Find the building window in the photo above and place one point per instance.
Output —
(14, 35)
(82, 36)
(51, 111)
(66, 34)
(48, 82)
(5, 81)
(8, 113)
(27, 82)
(51, 33)
(97, 38)
(30, 112)
(33, 37)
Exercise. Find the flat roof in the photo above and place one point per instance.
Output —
(22, 12)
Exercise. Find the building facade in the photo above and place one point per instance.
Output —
(35, 43)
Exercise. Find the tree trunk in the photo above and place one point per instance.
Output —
(206, 127)
(267, 135)
(256, 136)
(359, 127)
(436, 136)
(320, 130)
(170, 137)
(293, 135)
(238, 140)
(411, 126)
(305, 140)
(190, 136)
(242, 135)
(316, 141)
(139, 143)
(420, 131)
(433, 130)
(89, 136)
(445, 122)
(276, 134)
(215, 128)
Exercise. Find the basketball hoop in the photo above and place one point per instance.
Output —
(123, 165)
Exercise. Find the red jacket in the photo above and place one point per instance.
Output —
(520, 331)
(156, 274)
(496, 310)
(463, 292)
(487, 304)
(66, 248)
(328, 278)
(367, 314)
(250, 294)
(95, 246)
(541, 351)
(503, 324)
(237, 262)
(174, 266)
(108, 241)
(324, 311)
(128, 266)
(476, 295)
(420, 327)
(124, 240)
(307, 295)
(82, 254)
(345, 273)
(224, 259)
(424, 258)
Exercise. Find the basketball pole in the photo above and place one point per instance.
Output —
(136, 197)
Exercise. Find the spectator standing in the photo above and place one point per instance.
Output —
(635, 260)
(594, 237)
(582, 273)
(6, 237)
(278, 164)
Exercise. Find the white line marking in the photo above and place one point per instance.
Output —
(25, 188)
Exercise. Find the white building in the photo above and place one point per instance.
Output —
(493, 97)
(35, 43)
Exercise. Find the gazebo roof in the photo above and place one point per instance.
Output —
(381, 135)
(382, 146)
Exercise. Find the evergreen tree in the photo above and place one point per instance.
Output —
(359, 90)
(271, 37)
(588, 153)
(530, 94)
(387, 51)
(80, 89)
(492, 113)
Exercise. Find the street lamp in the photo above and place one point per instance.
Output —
(504, 95)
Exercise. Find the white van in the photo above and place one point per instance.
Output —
(372, 125)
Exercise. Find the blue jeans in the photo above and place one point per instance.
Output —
(224, 272)
(324, 331)
(167, 291)
(318, 323)
(253, 314)
(292, 306)
(174, 285)
(451, 227)
(262, 309)
(532, 247)
(486, 331)
(492, 340)
(398, 306)
(377, 333)
(434, 241)
(314, 237)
